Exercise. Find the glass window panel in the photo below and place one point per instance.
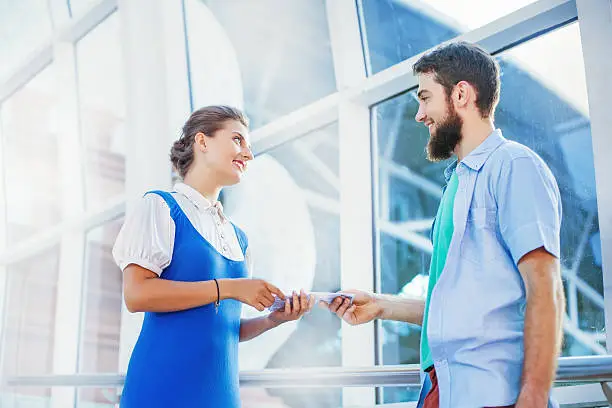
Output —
(29, 319)
(288, 206)
(25, 26)
(32, 176)
(253, 397)
(269, 57)
(395, 30)
(18, 397)
(101, 319)
(102, 110)
(80, 7)
(31, 397)
(541, 108)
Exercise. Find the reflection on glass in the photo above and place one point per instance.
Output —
(80, 7)
(550, 115)
(29, 320)
(29, 127)
(101, 316)
(395, 30)
(288, 206)
(252, 397)
(536, 109)
(17, 397)
(102, 109)
(409, 188)
(269, 57)
(25, 26)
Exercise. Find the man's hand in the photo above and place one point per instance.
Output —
(528, 399)
(367, 307)
(364, 309)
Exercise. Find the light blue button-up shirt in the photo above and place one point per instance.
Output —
(507, 204)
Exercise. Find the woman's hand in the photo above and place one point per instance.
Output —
(254, 292)
(294, 309)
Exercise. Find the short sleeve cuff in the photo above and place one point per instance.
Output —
(142, 262)
(533, 236)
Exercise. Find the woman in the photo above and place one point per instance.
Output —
(187, 266)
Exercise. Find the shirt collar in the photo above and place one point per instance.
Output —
(198, 200)
(478, 157)
(448, 171)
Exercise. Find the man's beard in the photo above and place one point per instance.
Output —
(447, 135)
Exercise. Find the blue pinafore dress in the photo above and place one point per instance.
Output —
(189, 359)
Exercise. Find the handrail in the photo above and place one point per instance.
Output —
(572, 370)
(584, 369)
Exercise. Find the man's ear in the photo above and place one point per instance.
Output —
(463, 94)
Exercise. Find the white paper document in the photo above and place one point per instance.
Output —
(326, 297)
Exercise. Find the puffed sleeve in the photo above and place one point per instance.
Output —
(147, 236)
(249, 261)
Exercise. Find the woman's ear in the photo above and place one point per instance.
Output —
(200, 141)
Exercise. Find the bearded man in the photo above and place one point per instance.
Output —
(492, 319)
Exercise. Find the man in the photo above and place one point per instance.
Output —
(492, 321)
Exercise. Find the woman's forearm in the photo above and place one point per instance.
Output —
(144, 291)
(251, 328)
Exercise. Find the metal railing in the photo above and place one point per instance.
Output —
(571, 370)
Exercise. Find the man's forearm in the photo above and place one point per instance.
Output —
(407, 309)
(542, 341)
(251, 328)
(543, 334)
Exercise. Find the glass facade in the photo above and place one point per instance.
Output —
(30, 141)
(293, 224)
(395, 30)
(101, 320)
(102, 111)
(556, 125)
(275, 69)
(68, 170)
(28, 336)
(25, 26)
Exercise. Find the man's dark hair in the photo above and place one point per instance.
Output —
(207, 120)
(462, 61)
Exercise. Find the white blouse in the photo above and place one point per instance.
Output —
(147, 235)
